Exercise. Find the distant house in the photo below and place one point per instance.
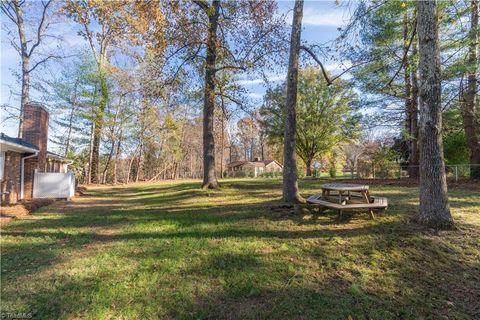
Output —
(252, 168)
(19, 158)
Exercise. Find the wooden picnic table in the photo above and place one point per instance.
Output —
(347, 188)
(346, 199)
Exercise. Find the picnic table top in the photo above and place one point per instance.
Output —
(344, 187)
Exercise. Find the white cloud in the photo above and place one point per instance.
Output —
(315, 17)
(249, 82)
(334, 17)
(255, 95)
(338, 66)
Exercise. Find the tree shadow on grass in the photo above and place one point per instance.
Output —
(250, 285)
(324, 269)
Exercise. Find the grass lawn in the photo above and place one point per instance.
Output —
(171, 250)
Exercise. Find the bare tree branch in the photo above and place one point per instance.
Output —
(40, 27)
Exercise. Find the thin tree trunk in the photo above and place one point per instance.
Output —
(107, 164)
(252, 148)
(139, 166)
(308, 163)
(14, 11)
(99, 120)
(262, 146)
(415, 155)
(112, 147)
(130, 165)
(434, 209)
(290, 184)
(223, 142)
(117, 157)
(115, 164)
(92, 129)
(70, 121)
(25, 64)
(471, 120)
(408, 87)
(209, 177)
(175, 171)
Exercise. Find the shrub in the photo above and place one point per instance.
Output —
(333, 171)
(240, 174)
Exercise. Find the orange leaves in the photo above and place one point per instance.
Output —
(132, 23)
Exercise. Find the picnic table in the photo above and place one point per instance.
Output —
(347, 196)
(348, 188)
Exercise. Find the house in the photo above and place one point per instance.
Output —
(252, 168)
(21, 158)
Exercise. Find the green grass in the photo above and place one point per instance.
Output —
(171, 250)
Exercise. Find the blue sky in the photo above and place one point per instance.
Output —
(320, 22)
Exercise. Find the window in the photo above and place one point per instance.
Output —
(2, 164)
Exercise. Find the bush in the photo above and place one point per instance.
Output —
(333, 171)
(240, 174)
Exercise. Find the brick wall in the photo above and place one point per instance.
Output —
(30, 166)
(11, 177)
(35, 130)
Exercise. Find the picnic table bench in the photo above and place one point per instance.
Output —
(343, 196)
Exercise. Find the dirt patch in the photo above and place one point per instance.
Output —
(7, 213)
(80, 190)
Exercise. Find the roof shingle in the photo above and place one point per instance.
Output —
(17, 141)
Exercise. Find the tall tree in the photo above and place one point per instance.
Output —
(326, 115)
(434, 209)
(87, 14)
(111, 23)
(227, 36)
(470, 112)
(27, 48)
(381, 41)
(213, 14)
(290, 184)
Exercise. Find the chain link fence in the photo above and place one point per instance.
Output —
(362, 171)
(398, 171)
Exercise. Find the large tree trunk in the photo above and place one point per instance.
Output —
(209, 177)
(434, 210)
(471, 121)
(290, 184)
